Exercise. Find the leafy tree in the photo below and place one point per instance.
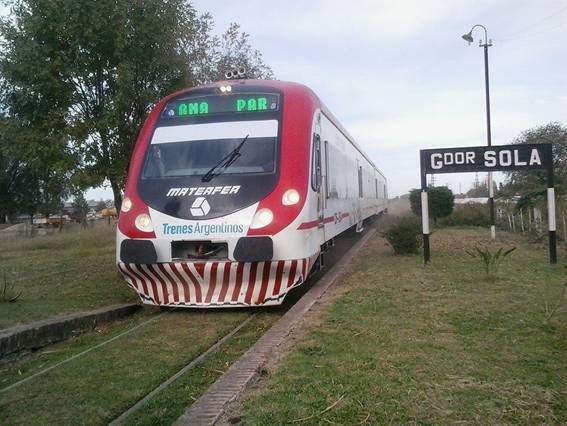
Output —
(533, 181)
(99, 67)
(34, 106)
(441, 201)
(80, 207)
(7, 205)
(38, 165)
(34, 171)
(234, 49)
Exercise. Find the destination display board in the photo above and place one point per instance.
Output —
(199, 106)
(486, 159)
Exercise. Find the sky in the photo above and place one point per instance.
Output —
(400, 78)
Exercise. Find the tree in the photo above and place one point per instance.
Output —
(234, 49)
(7, 202)
(440, 199)
(80, 207)
(34, 170)
(34, 108)
(100, 67)
(526, 182)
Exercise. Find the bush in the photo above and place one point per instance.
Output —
(468, 215)
(404, 235)
(441, 202)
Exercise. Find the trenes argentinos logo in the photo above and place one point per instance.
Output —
(200, 207)
(200, 229)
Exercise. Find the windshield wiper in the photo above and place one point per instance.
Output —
(222, 165)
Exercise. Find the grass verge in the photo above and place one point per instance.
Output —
(429, 345)
(61, 273)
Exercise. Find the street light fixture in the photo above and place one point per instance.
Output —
(468, 37)
(486, 43)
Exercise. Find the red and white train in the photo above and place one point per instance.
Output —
(234, 190)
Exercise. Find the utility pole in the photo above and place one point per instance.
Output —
(486, 44)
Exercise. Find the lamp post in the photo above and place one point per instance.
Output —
(486, 44)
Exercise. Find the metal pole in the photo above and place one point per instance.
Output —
(551, 215)
(424, 213)
(489, 137)
(425, 225)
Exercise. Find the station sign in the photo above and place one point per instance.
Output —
(486, 159)
(502, 158)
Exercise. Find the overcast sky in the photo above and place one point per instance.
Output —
(399, 77)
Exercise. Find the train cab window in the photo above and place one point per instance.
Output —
(316, 163)
(195, 158)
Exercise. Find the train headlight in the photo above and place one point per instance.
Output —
(126, 205)
(144, 223)
(263, 217)
(225, 89)
(290, 197)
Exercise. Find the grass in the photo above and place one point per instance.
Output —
(99, 386)
(429, 345)
(172, 403)
(61, 273)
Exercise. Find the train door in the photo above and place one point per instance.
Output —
(359, 198)
(317, 182)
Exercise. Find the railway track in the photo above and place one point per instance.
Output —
(193, 363)
(120, 420)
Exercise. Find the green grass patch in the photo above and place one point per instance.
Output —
(61, 273)
(438, 344)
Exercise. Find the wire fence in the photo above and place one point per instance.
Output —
(530, 220)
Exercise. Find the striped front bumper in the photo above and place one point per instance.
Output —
(216, 283)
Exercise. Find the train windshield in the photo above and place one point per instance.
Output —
(192, 150)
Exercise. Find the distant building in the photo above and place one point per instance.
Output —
(471, 200)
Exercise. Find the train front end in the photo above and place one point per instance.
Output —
(210, 195)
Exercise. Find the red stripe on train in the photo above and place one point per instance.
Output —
(279, 274)
(225, 281)
(251, 282)
(265, 281)
(238, 285)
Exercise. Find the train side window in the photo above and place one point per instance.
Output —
(327, 171)
(316, 166)
(376, 182)
(360, 181)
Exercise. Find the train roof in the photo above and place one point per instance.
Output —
(287, 86)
